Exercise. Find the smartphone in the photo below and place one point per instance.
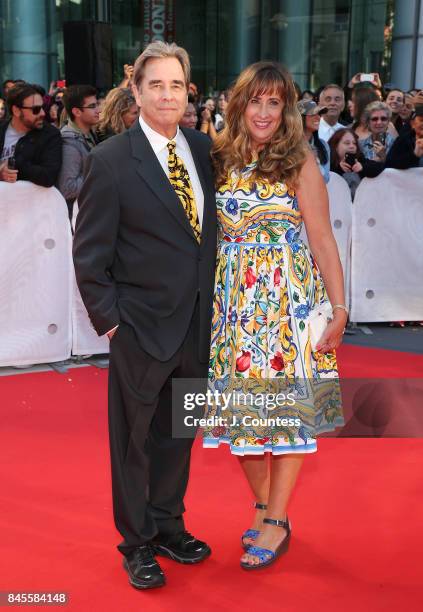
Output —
(364, 76)
(61, 84)
(11, 163)
(381, 138)
(350, 158)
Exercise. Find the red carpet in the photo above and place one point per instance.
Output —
(356, 513)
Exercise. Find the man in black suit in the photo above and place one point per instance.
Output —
(144, 258)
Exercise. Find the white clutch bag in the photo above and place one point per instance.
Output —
(318, 319)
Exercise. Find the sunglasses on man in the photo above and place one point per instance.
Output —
(36, 110)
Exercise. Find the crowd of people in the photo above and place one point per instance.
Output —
(156, 205)
(356, 131)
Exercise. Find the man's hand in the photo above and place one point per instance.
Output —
(376, 80)
(418, 149)
(355, 79)
(8, 175)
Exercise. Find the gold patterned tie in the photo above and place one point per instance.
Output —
(180, 181)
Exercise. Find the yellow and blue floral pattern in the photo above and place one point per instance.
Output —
(266, 285)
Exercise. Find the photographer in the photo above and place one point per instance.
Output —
(347, 159)
(376, 146)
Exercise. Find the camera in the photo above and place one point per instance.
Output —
(381, 138)
(350, 158)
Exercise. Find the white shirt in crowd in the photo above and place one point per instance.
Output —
(182, 150)
(326, 130)
(10, 139)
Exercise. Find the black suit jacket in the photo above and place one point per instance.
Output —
(38, 154)
(136, 257)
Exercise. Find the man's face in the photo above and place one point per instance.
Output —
(417, 125)
(162, 94)
(89, 112)
(333, 99)
(31, 113)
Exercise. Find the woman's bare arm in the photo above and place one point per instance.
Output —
(314, 206)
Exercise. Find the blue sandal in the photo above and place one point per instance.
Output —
(266, 556)
(252, 533)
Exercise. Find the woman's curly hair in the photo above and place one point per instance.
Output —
(283, 156)
(117, 102)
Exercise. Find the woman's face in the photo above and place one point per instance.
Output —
(210, 104)
(263, 117)
(395, 99)
(2, 109)
(130, 115)
(351, 107)
(222, 103)
(346, 145)
(312, 122)
(53, 112)
(378, 122)
(189, 118)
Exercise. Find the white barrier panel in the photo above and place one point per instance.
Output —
(84, 337)
(340, 211)
(387, 248)
(35, 275)
(85, 340)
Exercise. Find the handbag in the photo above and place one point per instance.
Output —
(318, 319)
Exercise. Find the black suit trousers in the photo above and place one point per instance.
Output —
(150, 467)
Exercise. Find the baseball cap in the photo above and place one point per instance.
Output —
(309, 107)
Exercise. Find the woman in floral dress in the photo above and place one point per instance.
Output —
(268, 287)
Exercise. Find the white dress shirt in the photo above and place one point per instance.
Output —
(326, 130)
(182, 150)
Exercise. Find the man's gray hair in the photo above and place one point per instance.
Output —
(332, 86)
(378, 105)
(159, 49)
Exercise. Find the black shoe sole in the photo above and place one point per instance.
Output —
(161, 550)
(139, 585)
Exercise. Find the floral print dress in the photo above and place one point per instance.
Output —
(266, 285)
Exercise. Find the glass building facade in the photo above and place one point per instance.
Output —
(320, 41)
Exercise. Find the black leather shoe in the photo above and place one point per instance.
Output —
(143, 570)
(181, 547)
